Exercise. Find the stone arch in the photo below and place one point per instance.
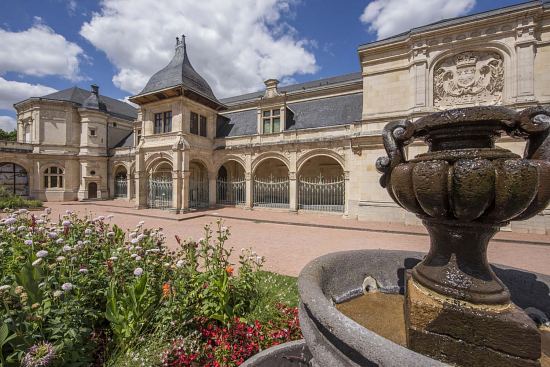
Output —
(229, 158)
(204, 162)
(493, 46)
(157, 159)
(320, 153)
(269, 155)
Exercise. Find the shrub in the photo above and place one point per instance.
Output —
(11, 201)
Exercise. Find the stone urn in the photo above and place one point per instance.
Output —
(464, 189)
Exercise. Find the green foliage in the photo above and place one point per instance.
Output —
(10, 201)
(8, 135)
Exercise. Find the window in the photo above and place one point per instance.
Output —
(138, 136)
(163, 122)
(271, 121)
(53, 178)
(114, 124)
(198, 124)
(92, 131)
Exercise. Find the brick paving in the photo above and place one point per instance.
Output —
(289, 241)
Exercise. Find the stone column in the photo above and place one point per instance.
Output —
(129, 186)
(347, 190)
(212, 189)
(185, 177)
(141, 181)
(249, 200)
(293, 192)
(176, 180)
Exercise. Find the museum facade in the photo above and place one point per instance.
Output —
(303, 147)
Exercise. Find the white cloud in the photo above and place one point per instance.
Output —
(233, 44)
(7, 123)
(391, 17)
(39, 51)
(12, 92)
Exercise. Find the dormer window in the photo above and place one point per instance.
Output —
(163, 122)
(198, 124)
(271, 121)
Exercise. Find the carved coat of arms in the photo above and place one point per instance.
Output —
(469, 78)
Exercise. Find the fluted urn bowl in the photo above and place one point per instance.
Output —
(464, 188)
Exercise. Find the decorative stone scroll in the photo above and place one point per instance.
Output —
(468, 79)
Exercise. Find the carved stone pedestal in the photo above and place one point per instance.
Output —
(466, 334)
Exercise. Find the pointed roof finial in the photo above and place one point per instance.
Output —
(183, 41)
(177, 41)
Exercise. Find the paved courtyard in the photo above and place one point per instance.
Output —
(289, 241)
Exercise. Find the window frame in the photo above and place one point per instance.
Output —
(268, 117)
(162, 122)
(50, 177)
(198, 124)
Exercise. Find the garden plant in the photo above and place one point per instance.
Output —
(84, 292)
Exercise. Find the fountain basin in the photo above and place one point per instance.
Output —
(333, 339)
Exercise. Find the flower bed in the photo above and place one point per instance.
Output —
(82, 292)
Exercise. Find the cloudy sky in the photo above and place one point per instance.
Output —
(48, 45)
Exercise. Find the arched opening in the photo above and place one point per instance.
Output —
(121, 182)
(198, 185)
(271, 184)
(321, 185)
(92, 190)
(14, 179)
(160, 186)
(231, 184)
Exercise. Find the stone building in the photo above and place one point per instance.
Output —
(309, 146)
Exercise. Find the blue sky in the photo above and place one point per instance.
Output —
(235, 44)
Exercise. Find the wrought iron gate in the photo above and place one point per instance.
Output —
(231, 192)
(160, 192)
(325, 194)
(198, 191)
(121, 187)
(271, 192)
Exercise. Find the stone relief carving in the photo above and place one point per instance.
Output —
(469, 78)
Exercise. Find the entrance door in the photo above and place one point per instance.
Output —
(92, 190)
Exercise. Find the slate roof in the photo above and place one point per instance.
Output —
(79, 96)
(340, 79)
(322, 112)
(179, 72)
(128, 141)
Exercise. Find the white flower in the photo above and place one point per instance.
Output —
(110, 234)
(86, 242)
(5, 288)
(67, 287)
(83, 271)
(28, 242)
(23, 211)
(60, 258)
(113, 258)
(11, 229)
(141, 223)
(132, 235)
(57, 294)
(140, 237)
(36, 262)
(133, 256)
(180, 263)
(22, 228)
(68, 211)
(67, 248)
(66, 223)
(52, 235)
(59, 241)
(101, 217)
(40, 221)
(154, 250)
(87, 231)
(134, 241)
(138, 258)
(48, 210)
(138, 272)
(10, 221)
(42, 253)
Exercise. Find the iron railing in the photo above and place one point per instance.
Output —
(324, 194)
(160, 193)
(271, 192)
(121, 187)
(198, 192)
(231, 192)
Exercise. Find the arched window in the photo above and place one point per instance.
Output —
(53, 178)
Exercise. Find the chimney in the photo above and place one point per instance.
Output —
(95, 89)
(271, 88)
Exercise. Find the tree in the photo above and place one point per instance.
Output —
(8, 135)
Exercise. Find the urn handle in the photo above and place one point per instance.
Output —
(533, 124)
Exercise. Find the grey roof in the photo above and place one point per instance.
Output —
(335, 80)
(128, 141)
(179, 72)
(457, 20)
(80, 96)
(321, 112)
